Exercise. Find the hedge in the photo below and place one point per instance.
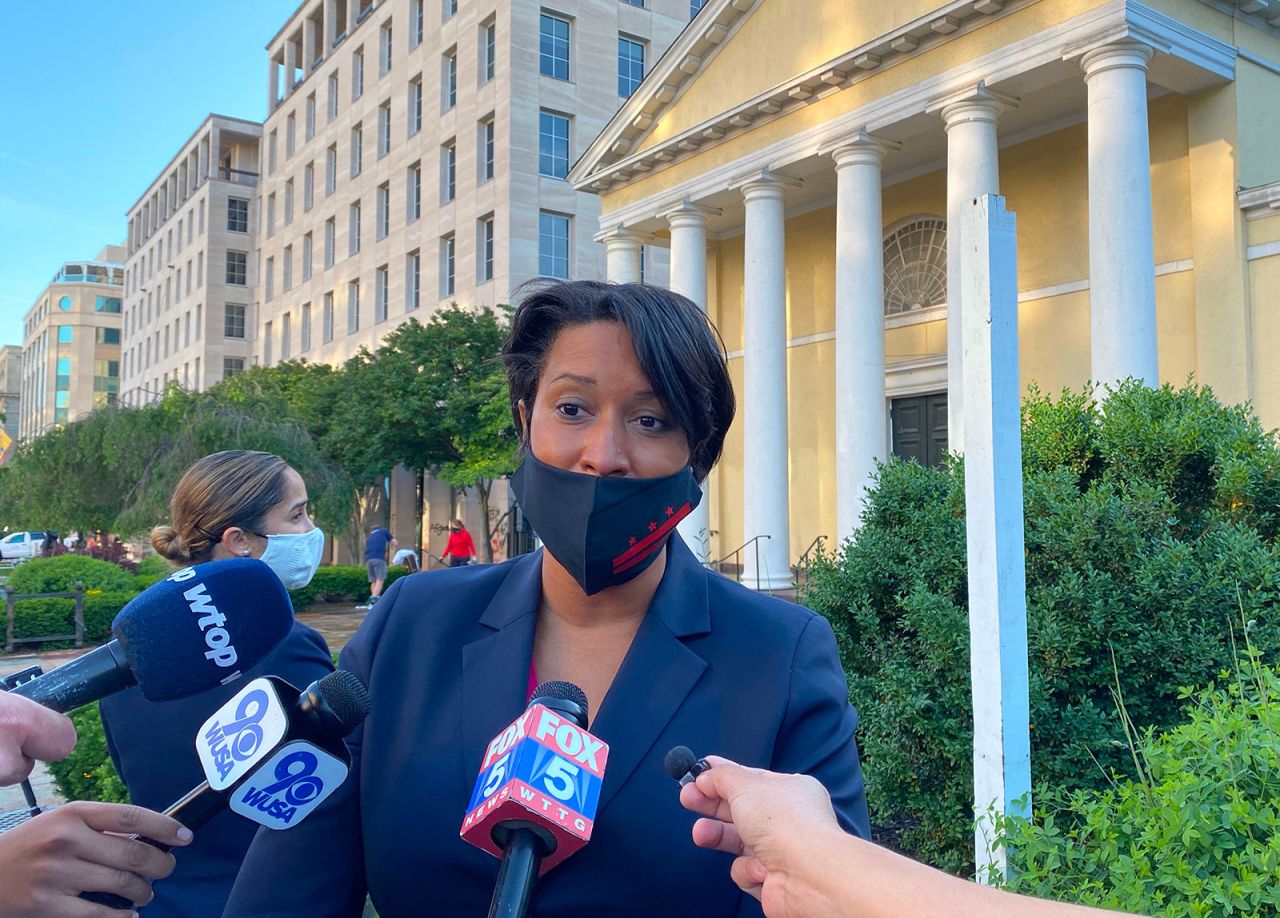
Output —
(41, 617)
(60, 574)
(1149, 530)
(87, 773)
(340, 583)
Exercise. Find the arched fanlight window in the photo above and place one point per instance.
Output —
(915, 266)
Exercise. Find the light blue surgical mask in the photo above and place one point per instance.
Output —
(294, 556)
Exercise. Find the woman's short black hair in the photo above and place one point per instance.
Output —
(676, 345)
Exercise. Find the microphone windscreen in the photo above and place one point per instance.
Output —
(679, 762)
(347, 698)
(203, 626)
(564, 698)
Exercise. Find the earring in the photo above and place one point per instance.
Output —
(246, 553)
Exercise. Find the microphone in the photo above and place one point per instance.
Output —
(199, 628)
(535, 800)
(303, 765)
(683, 766)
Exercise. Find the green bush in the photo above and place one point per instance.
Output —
(87, 774)
(44, 617)
(1148, 530)
(56, 575)
(340, 583)
(154, 566)
(1197, 834)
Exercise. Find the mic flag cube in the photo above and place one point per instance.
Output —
(289, 785)
(238, 735)
(543, 770)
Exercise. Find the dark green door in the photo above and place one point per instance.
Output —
(920, 428)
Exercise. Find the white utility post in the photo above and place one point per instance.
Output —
(993, 520)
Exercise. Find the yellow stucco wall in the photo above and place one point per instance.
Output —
(1046, 183)
(1264, 284)
(1263, 231)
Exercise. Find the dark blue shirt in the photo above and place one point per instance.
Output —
(445, 655)
(375, 547)
(153, 747)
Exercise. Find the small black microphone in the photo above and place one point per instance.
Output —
(683, 766)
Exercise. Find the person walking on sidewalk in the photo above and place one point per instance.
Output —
(375, 559)
(460, 550)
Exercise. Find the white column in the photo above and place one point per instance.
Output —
(308, 44)
(352, 5)
(1122, 282)
(622, 255)
(273, 85)
(331, 27)
(290, 64)
(766, 505)
(861, 423)
(973, 169)
(994, 525)
(688, 224)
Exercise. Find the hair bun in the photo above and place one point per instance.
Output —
(168, 542)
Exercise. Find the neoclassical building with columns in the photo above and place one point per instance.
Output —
(806, 162)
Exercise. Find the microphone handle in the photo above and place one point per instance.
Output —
(520, 862)
(97, 674)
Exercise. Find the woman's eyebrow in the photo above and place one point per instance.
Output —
(575, 377)
(300, 504)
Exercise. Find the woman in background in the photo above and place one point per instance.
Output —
(460, 550)
(232, 504)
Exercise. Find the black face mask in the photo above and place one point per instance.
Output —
(603, 531)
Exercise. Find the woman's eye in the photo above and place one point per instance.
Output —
(649, 422)
(570, 410)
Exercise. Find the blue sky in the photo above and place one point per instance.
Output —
(78, 78)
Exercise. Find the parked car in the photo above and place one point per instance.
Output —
(19, 545)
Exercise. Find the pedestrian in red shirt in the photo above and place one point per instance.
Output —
(460, 550)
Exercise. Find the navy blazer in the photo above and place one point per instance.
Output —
(153, 746)
(446, 656)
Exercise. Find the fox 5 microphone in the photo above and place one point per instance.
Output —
(271, 753)
(199, 628)
(535, 800)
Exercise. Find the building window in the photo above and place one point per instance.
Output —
(64, 334)
(553, 245)
(288, 202)
(104, 335)
(237, 215)
(308, 187)
(383, 211)
(357, 73)
(486, 146)
(290, 134)
(231, 366)
(310, 124)
(484, 249)
(488, 51)
(450, 8)
(357, 149)
(384, 128)
(448, 172)
(381, 290)
(415, 105)
(331, 169)
(553, 47)
(306, 257)
(330, 241)
(326, 319)
(915, 266)
(333, 96)
(384, 48)
(286, 332)
(233, 322)
(413, 193)
(353, 229)
(271, 153)
(286, 268)
(304, 329)
(266, 344)
(415, 25)
(412, 280)
(64, 303)
(353, 306)
(237, 268)
(449, 80)
(271, 214)
(630, 65)
(107, 304)
(199, 320)
(447, 252)
(553, 145)
(694, 6)
(269, 279)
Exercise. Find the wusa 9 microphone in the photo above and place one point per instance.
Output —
(199, 628)
(535, 800)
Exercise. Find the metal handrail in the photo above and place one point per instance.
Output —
(812, 545)
(755, 540)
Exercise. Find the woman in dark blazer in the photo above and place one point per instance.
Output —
(236, 503)
(623, 399)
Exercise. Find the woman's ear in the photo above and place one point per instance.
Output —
(523, 432)
(236, 542)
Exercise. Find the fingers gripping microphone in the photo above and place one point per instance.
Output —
(535, 800)
(199, 628)
(682, 766)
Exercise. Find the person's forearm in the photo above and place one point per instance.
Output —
(873, 882)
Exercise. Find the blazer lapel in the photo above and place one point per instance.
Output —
(658, 672)
(495, 667)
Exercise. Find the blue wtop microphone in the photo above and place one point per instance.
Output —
(200, 627)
